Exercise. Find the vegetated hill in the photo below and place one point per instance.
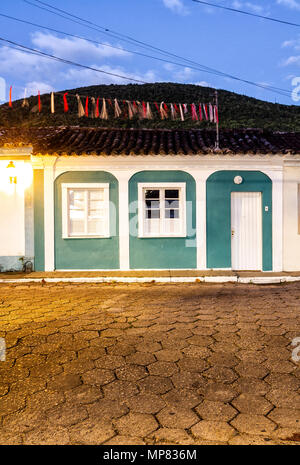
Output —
(235, 111)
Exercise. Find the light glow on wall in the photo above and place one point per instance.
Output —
(23, 173)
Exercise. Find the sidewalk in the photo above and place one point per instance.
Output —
(161, 276)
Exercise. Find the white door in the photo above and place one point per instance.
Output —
(246, 231)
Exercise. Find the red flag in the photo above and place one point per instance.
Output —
(39, 101)
(144, 109)
(66, 106)
(97, 108)
(200, 112)
(10, 102)
(87, 106)
(157, 107)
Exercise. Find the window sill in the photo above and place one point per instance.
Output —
(167, 236)
(86, 237)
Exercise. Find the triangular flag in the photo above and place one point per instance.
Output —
(200, 112)
(181, 112)
(66, 106)
(130, 110)
(87, 106)
(80, 107)
(39, 101)
(163, 113)
(25, 101)
(10, 92)
(194, 112)
(118, 110)
(97, 109)
(148, 111)
(52, 102)
(173, 112)
(93, 112)
(104, 114)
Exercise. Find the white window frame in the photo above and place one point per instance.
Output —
(65, 209)
(181, 186)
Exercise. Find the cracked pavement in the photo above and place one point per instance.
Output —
(149, 364)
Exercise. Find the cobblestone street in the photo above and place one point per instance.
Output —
(149, 364)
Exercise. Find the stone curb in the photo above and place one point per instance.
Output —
(206, 279)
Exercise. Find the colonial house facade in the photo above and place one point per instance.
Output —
(139, 199)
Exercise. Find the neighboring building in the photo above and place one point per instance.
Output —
(107, 199)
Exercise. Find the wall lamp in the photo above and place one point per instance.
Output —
(12, 172)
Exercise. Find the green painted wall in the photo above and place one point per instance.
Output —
(169, 252)
(87, 253)
(38, 196)
(218, 214)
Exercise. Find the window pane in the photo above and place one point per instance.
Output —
(152, 194)
(76, 199)
(172, 214)
(76, 227)
(96, 194)
(88, 211)
(96, 227)
(172, 203)
(152, 227)
(172, 226)
(97, 213)
(152, 203)
(152, 214)
(172, 194)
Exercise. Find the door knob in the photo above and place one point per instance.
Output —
(232, 232)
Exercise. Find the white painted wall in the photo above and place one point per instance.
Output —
(12, 215)
(290, 213)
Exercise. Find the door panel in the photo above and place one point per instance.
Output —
(246, 231)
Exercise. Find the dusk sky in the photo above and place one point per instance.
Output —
(251, 48)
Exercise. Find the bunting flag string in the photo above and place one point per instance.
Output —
(117, 108)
